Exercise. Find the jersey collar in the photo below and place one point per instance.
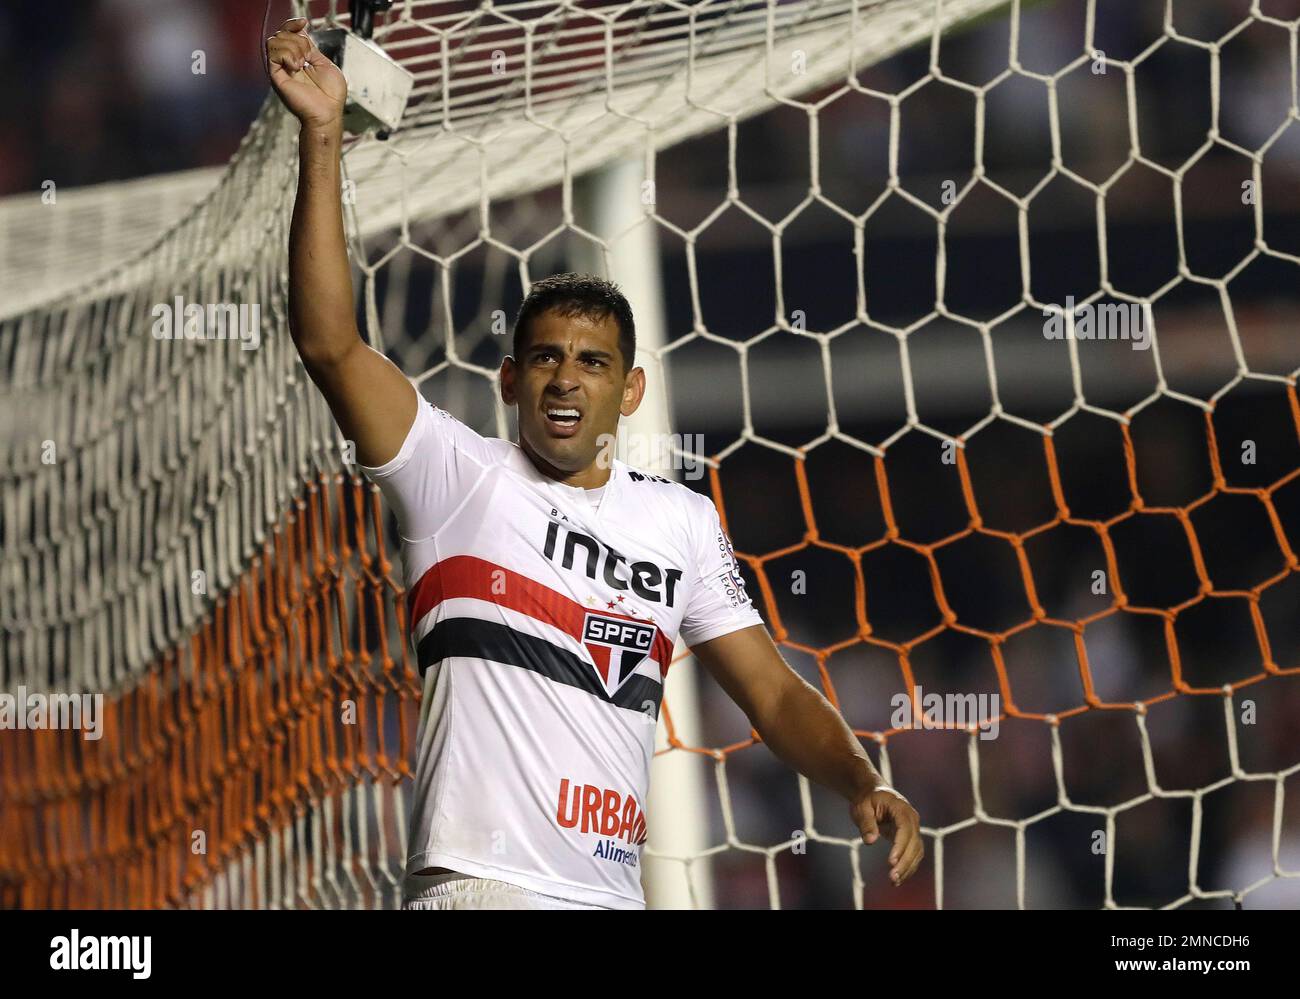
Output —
(523, 464)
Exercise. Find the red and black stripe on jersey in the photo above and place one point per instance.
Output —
(466, 576)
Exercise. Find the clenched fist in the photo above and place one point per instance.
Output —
(311, 86)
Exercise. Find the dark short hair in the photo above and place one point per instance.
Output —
(572, 294)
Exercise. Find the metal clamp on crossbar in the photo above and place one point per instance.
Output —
(378, 88)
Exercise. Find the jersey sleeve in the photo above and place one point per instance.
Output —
(438, 463)
(718, 603)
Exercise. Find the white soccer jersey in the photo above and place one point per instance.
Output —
(544, 626)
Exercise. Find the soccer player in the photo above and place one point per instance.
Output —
(546, 581)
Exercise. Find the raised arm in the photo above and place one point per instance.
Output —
(372, 401)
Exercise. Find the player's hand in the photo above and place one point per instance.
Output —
(885, 812)
(311, 86)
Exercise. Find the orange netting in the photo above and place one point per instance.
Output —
(1178, 685)
(279, 697)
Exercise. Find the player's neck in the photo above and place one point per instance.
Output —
(591, 477)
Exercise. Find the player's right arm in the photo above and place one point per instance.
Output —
(373, 403)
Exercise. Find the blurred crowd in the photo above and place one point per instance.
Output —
(114, 89)
(106, 90)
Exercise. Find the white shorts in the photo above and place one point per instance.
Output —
(461, 891)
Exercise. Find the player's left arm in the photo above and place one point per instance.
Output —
(805, 731)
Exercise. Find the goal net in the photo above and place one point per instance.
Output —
(975, 319)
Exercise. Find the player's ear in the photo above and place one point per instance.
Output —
(633, 391)
(508, 380)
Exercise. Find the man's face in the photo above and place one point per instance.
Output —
(571, 384)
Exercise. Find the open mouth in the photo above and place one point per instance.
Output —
(563, 420)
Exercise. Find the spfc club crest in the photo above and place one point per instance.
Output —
(617, 646)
